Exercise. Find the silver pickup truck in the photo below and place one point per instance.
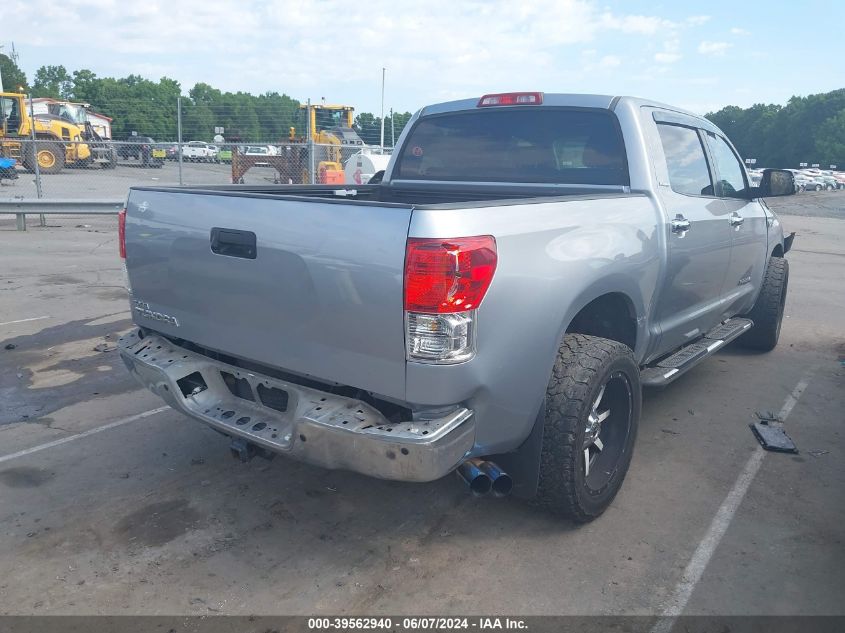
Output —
(492, 304)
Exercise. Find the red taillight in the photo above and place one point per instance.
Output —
(448, 275)
(511, 98)
(121, 232)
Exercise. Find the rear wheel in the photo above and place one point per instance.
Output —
(767, 312)
(49, 156)
(591, 415)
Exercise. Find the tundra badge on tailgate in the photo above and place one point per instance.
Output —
(143, 309)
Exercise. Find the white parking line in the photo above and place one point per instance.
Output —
(675, 605)
(25, 320)
(79, 436)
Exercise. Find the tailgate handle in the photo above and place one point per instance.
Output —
(233, 243)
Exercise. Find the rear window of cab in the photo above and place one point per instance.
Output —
(518, 145)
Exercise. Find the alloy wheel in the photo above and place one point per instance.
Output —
(606, 432)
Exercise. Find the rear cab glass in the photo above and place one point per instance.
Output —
(516, 145)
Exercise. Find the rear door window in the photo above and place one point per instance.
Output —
(520, 145)
(685, 160)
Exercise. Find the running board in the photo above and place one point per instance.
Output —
(671, 367)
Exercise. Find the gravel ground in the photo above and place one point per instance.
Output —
(816, 204)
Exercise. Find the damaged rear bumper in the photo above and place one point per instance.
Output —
(307, 424)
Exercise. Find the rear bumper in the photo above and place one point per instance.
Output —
(307, 424)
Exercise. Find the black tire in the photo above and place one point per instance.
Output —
(767, 312)
(56, 150)
(589, 373)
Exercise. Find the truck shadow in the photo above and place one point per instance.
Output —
(59, 366)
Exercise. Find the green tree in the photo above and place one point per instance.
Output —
(806, 129)
(52, 81)
(368, 127)
(399, 121)
(203, 93)
(134, 103)
(830, 141)
(149, 107)
(13, 77)
(86, 85)
(197, 121)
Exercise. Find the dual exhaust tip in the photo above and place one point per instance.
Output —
(483, 477)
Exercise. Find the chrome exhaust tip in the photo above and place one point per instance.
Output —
(478, 481)
(502, 483)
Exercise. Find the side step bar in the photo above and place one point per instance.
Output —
(671, 367)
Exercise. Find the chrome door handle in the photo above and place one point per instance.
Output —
(736, 219)
(680, 224)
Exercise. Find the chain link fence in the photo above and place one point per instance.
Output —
(77, 154)
(49, 169)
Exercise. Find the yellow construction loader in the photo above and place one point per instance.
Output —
(59, 142)
(329, 127)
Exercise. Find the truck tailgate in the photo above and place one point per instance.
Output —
(319, 295)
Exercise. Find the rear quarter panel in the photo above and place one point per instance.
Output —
(554, 258)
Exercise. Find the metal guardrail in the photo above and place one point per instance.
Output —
(21, 207)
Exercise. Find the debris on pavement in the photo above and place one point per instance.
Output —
(105, 347)
(818, 453)
(770, 433)
(10, 346)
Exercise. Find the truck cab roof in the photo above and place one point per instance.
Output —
(572, 100)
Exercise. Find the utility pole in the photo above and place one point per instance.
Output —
(38, 191)
(392, 130)
(179, 133)
(383, 71)
(312, 162)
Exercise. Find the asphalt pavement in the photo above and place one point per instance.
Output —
(112, 504)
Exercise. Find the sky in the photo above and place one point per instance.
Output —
(699, 56)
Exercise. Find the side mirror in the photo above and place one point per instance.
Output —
(776, 182)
